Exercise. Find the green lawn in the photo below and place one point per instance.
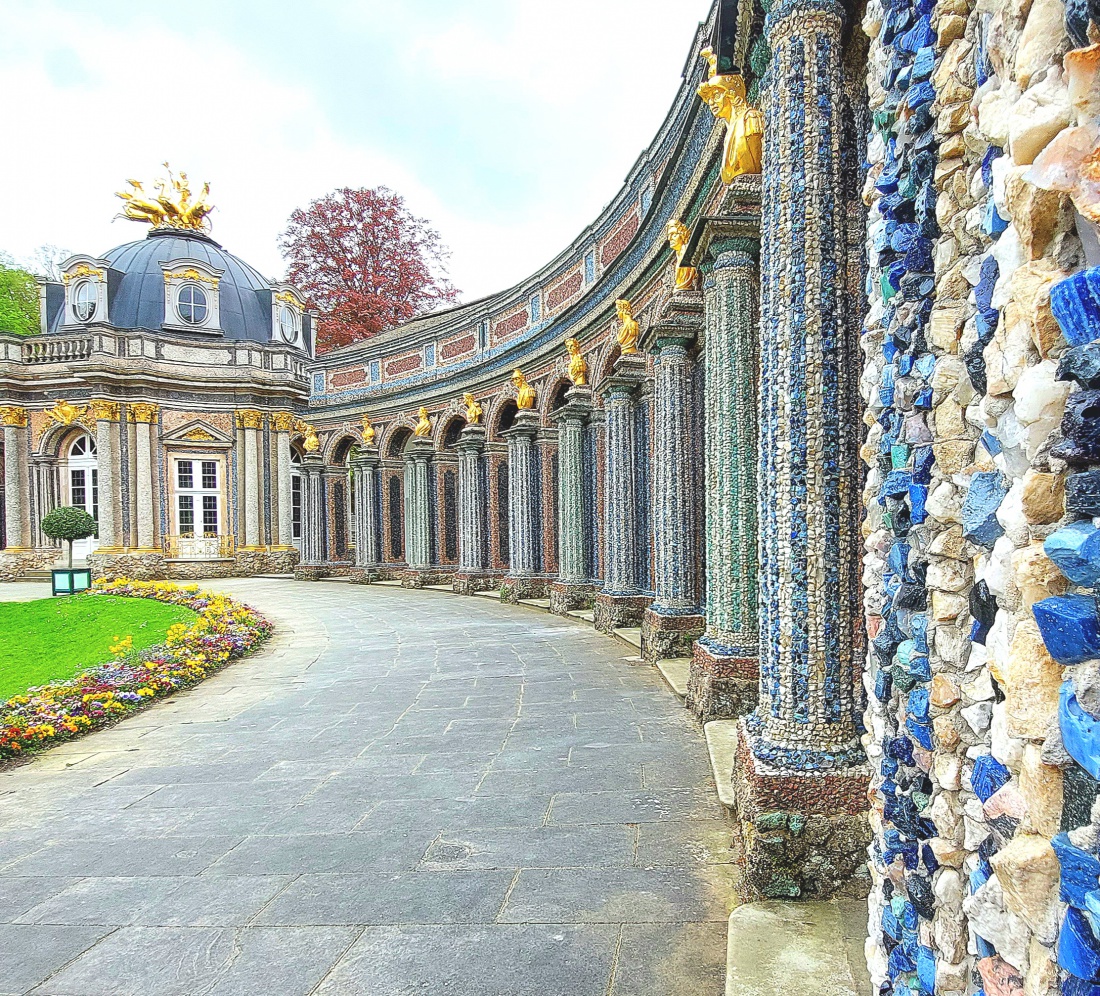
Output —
(55, 638)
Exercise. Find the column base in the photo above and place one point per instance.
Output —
(518, 589)
(666, 635)
(364, 575)
(722, 683)
(471, 582)
(611, 612)
(571, 596)
(421, 577)
(310, 572)
(805, 834)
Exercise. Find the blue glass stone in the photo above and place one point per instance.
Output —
(923, 399)
(1074, 986)
(898, 558)
(979, 510)
(1075, 549)
(889, 350)
(922, 732)
(1081, 364)
(988, 776)
(1078, 951)
(985, 950)
(1083, 493)
(918, 704)
(1069, 627)
(899, 456)
(992, 222)
(925, 63)
(919, 628)
(905, 365)
(1092, 910)
(926, 970)
(926, 365)
(992, 153)
(1080, 732)
(1077, 22)
(923, 461)
(979, 876)
(987, 279)
(896, 484)
(890, 924)
(1080, 871)
(991, 443)
(986, 323)
(917, 37)
(884, 685)
(918, 496)
(1075, 303)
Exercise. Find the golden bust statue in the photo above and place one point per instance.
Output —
(368, 431)
(423, 428)
(678, 234)
(311, 444)
(628, 327)
(525, 393)
(578, 368)
(473, 409)
(727, 99)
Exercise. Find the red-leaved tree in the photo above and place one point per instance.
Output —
(365, 262)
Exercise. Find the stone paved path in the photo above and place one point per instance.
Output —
(406, 793)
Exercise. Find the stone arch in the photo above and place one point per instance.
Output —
(450, 428)
(396, 439)
(340, 446)
(56, 437)
(553, 396)
(605, 362)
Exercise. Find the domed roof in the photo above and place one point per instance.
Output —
(138, 300)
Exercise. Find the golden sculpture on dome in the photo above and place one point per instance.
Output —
(423, 428)
(525, 393)
(65, 413)
(368, 432)
(727, 98)
(678, 235)
(628, 328)
(170, 205)
(473, 409)
(578, 368)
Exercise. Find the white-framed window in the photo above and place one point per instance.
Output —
(192, 305)
(82, 464)
(198, 497)
(288, 324)
(85, 300)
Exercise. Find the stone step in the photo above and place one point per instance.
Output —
(776, 946)
(630, 635)
(36, 577)
(493, 593)
(721, 737)
(586, 614)
(341, 580)
(389, 584)
(675, 672)
(275, 577)
(440, 587)
(536, 603)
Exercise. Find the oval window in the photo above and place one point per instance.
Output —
(191, 304)
(85, 300)
(288, 324)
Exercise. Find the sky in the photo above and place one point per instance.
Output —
(509, 124)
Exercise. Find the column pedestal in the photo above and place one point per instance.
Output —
(523, 580)
(367, 534)
(572, 590)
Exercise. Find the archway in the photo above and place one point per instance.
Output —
(81, 486)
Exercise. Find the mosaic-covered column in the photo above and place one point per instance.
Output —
(311, 566)
(106, 415)
(418, 550)
(47, 487)
(724, 669)
(620, 603)
(16, 485)
(282, 423)
(472, 572)
(250, 422)
(799, 756)
(523, 580)
(573, 588)
(671, 624)
(143, 415)
(367, 483)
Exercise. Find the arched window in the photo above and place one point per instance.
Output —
(81, 476)
(85, 300)
(289, 324)
(296, 497)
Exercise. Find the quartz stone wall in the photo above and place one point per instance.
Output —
(985, 860)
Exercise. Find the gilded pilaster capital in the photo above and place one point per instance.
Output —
(13, 416)
(104, 411)
(283, 421)
(144, 411)
(250, 418)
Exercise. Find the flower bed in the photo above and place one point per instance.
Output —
(224, 631)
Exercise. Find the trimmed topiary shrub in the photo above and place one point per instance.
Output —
(69, 524)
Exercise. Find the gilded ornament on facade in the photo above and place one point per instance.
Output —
(199, 436)
(65, 413)
(578, 367)
(82, 270)
(169, 205)
(368, 432)
(144, 412)
(628, 327)
(283, 421)
(678, 235)
(250, 418)
(191, 274)
(423, 425)
(726, 96)
(104, 411)
(473, 409)
(311, 444)
(283, 297)
(525, 393)
(13, 416)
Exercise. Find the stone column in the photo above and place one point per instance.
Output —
(283, 424)
(799, 757)
(473, 574)
(724, 669)
(250, 423)
(143, 416)
(523, 580)
(573, 589)
(16, 483)
(46, 494)
(366, 482)
(620, 603)
(106, 415)
(418, 549)
(671, 624)
(312, 566)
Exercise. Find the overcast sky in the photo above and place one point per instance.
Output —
(508, 123)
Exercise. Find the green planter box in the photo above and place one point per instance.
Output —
(70, 582)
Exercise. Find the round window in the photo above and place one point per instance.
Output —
(85, 299)
(191, 304)
(288, 324)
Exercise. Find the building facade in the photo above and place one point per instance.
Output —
(827, 426)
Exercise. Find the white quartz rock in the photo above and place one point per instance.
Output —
(997, 571)
(978, 717)
(1008, 933)
(1040, 114)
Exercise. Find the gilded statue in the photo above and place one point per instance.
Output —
(628, 328)
(423, 428)
(311, 444)
(473, 409)
(170, 205)
(525, 393)
(578, 368)
(678, 234)
(65, 413)
(368, 431)
(727, 98)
